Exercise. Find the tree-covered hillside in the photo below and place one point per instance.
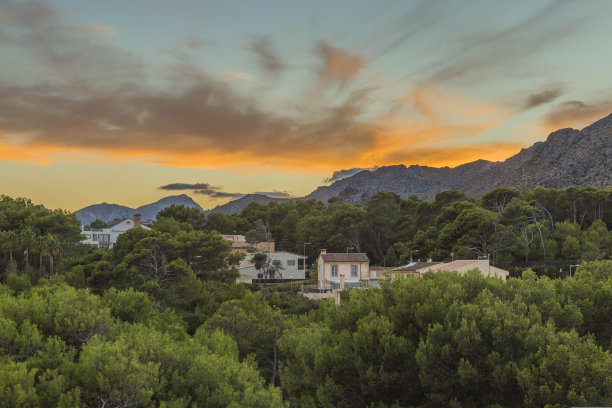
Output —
(158, 320)
(509, 225)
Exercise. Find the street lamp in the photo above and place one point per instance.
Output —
(305, 243)
(347, 249)
(411, 252)
(572, 266)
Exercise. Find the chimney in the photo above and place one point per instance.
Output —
(137, 221)
(341, 281)
(323, 251)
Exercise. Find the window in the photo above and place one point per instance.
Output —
(88, 236)
(104, 237)
(95, 237)
(276, 262)
(290, 262)
(334, 270)
(353, 270)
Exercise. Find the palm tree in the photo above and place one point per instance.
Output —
(40, 243)
(53, 248)
(9, 241)
(27, 238)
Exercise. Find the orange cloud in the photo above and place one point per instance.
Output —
(98, 29)
(238, 75)
(439, 105)
(339, 64)
(208, 126)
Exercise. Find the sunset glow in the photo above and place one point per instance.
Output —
(272, 96)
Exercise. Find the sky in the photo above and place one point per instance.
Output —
(128, 101)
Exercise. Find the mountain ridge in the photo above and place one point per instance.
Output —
(568, 157)
(108, 212)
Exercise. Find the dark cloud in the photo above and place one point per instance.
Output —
(342, 174)
(201, 188)
(188, 186)
(90, 95)
(219, 194)
(577, 113)
(204, 116)
(266, 56)
(541, 98)
(276, 194)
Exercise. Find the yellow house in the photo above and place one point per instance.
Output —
(339, 269)
(413, 268)
(464, 265)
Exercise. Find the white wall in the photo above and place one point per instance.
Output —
(287, 271)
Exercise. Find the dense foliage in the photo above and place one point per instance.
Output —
(158, 320)
(462, 341)
(511, 226)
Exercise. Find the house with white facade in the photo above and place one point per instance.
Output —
(290, 266)
(107, 237)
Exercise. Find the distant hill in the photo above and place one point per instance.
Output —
(108, 212)
(567, 158)
(236, 206)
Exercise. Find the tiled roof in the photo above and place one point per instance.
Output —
(414, 266)
(459, 264)
(116, 221)
(345, 257)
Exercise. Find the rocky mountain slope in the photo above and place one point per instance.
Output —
(236, 206)
(108, 212)
(422, 181)
(567, 158)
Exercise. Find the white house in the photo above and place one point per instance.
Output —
(107, 237)
(291, 266)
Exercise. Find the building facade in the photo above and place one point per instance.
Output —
(107, 237)
(340, 269)
(460, 266)
(290, 266)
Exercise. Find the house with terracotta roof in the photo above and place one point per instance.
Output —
(464, 265)
(343, 269)
(412, 268)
